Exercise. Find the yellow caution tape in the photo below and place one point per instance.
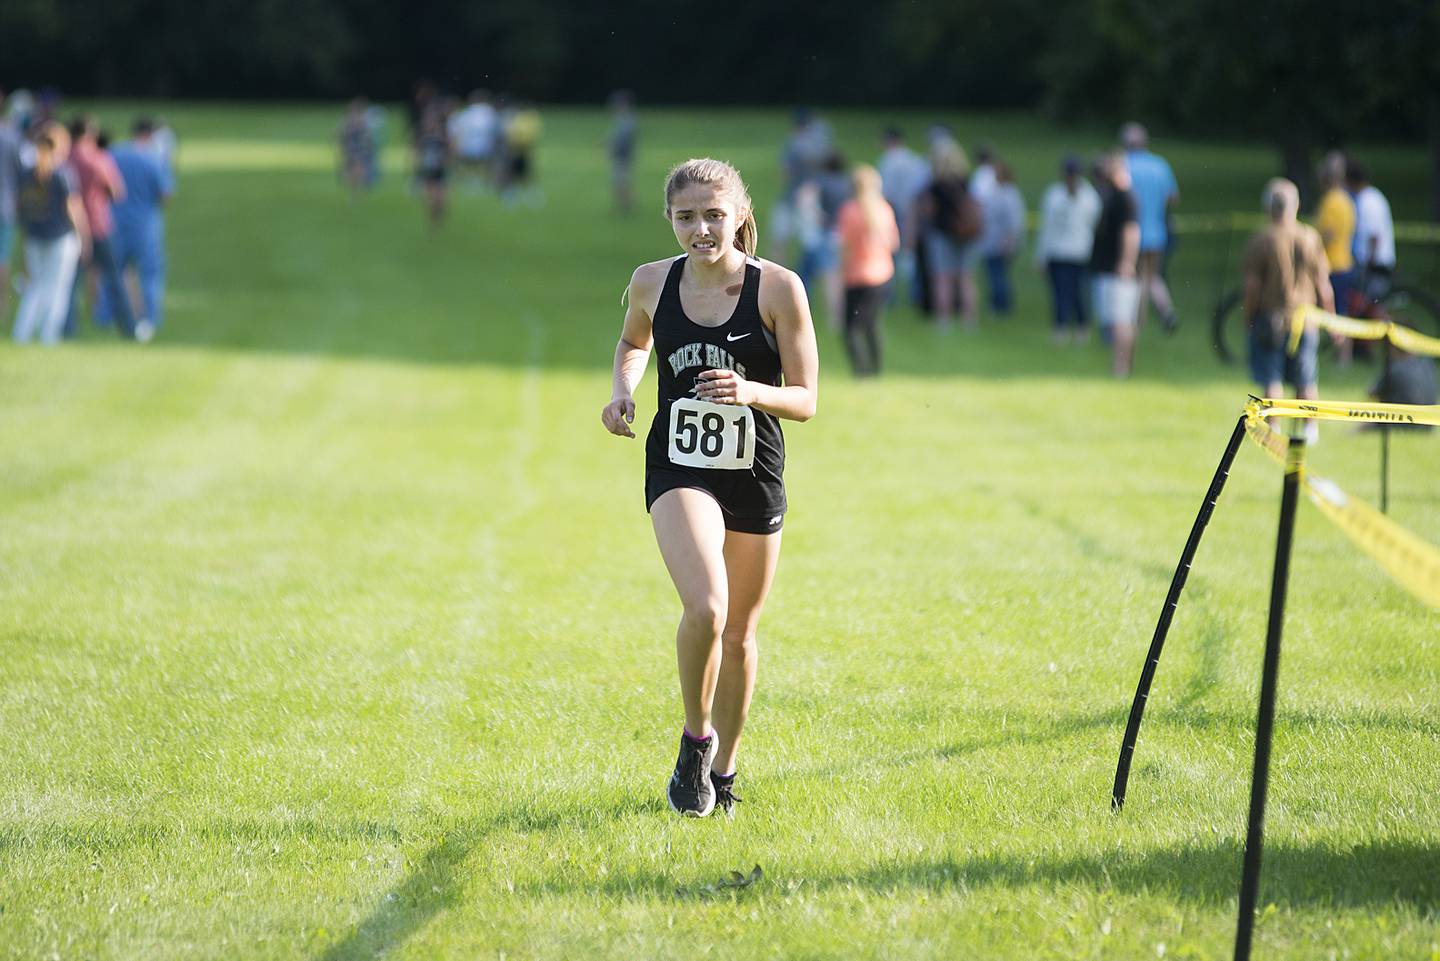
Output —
(1403, 337)
(1271, 441)
(1412, 562)
(1355, 411)
(1408, 339)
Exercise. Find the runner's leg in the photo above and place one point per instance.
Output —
(750, 561)
(691, 533)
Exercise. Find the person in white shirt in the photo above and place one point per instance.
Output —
(1002, 237)
(473, 131)
(1068, 213)
(1374, 231)
(903, 175)
(982, 178)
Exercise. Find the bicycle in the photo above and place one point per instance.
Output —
(1373, 297)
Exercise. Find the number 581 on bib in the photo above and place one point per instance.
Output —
(715, 436)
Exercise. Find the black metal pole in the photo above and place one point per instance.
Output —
(1385, 442)
(1265, 722)
(1162, 627)
(1384, 468)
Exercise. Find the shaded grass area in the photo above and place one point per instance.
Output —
(332, 627)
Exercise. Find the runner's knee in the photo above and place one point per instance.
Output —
(706, 614)
(738, 644)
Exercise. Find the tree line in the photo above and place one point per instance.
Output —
(1303, 74)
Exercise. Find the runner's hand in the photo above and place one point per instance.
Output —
(618, 415)
(724, 387)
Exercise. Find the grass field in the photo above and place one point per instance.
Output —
(332, 626)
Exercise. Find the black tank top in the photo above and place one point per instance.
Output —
(685, 349)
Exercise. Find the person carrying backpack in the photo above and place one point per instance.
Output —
(953, 223)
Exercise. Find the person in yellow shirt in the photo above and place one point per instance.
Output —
(1335, 219)
(522, 132)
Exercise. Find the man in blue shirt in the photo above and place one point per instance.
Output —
(1155, 193)
(139, 239)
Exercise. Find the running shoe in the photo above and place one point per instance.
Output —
(725, 796)
(690, 791)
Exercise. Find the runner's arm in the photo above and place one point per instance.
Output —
(632, 354)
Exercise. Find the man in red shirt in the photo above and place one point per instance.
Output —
(100, 186)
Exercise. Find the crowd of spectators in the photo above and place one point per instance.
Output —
(91, 219)
(1104, 235)
(485, 142)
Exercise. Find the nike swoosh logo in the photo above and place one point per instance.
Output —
(733, 337)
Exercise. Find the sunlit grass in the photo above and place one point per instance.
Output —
(332, 625)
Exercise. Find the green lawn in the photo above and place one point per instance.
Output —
(332, 625)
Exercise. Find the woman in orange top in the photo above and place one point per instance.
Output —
(869, 238)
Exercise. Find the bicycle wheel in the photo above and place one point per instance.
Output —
(1226, 323)
(1412, 307)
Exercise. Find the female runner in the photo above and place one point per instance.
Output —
(737, 352)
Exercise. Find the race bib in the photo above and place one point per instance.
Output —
(717, 436)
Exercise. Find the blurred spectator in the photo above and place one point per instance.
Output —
(983, 177)
(422, 96)
(165, 146)
(952, 222)
(139, 237)
(1284, 268)
(522, 136)
(1153, 183)
(804, 153)
(624, 130)
(1374, 232)
(10, 139)
(903, 175)
(869, 237)
(1113, 257)
(1004, 232)
(1335, 219)
(1068, 213)
(100, 186)
(357, 147)
(20, 111)
(53, 221)
(432, 162)
(822, 261)
(473, 133)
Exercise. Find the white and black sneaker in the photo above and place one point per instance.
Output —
(690, 791)
(725, 796)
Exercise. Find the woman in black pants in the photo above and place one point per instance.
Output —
(869, 238)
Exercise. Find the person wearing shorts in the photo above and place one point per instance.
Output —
(1113, 258)
(432, 162)
(1285, 267)
(737, 353)
(1156, 195)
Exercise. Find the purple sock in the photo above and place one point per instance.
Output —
(697, 740)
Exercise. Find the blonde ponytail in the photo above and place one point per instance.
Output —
(747, 238)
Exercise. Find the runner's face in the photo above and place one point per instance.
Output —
(705, 221)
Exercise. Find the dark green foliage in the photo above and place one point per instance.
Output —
(1295, 72)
